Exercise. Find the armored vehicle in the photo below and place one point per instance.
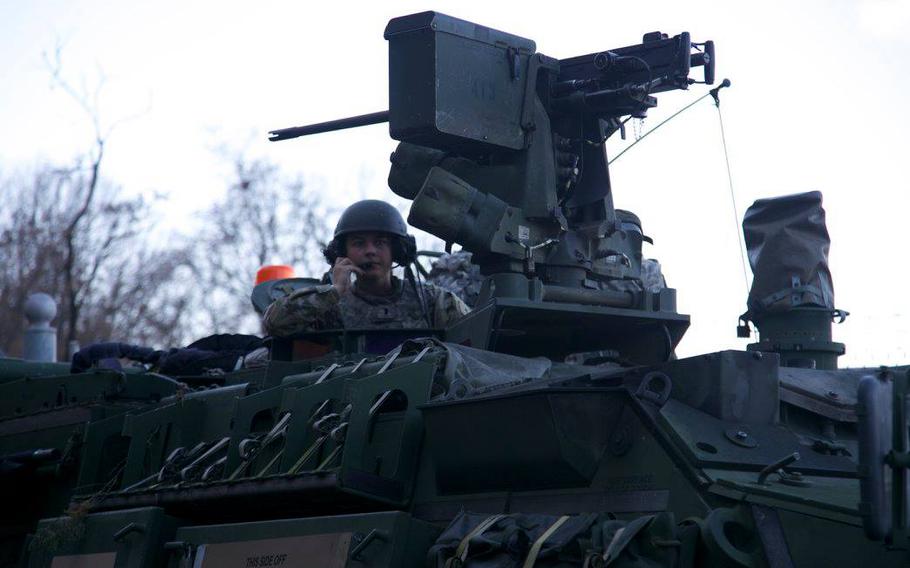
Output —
(552, 426)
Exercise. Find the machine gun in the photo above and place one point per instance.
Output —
(502, 151)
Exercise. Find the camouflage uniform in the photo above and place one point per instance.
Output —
(455, 272)
(652, 278)
(322, 307)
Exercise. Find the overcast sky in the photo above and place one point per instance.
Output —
(818, 102)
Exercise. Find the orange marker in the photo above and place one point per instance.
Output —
(273, 272)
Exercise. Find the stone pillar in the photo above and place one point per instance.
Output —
(40, 337)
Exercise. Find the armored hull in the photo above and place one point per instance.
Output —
(358, 459)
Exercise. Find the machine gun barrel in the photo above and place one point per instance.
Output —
(331, 125)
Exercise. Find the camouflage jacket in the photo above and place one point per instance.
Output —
(322, 307)
(454, 271)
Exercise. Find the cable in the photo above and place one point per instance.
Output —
(668, 119)
(739, 235)
(419, 291)
(712, 93)
(423, 299)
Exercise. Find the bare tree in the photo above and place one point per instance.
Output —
(264, 218)
(109, 283)
(83, 191)
(144, 300)
(67, 232)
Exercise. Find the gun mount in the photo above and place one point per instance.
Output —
(505, 155)
(502, 151)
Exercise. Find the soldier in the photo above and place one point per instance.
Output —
(363, 293)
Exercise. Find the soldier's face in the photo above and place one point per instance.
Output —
(372, 253)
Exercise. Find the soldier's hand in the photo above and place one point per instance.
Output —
(341, 274)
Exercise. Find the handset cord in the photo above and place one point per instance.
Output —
(418, 289)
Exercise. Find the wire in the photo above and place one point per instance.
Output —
(741, 245)
(423, 299)
(666, 120)
(739, 237)
(417, 284)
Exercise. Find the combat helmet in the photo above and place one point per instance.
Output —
(372, 215)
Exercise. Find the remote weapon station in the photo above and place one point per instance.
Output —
(551, 426)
